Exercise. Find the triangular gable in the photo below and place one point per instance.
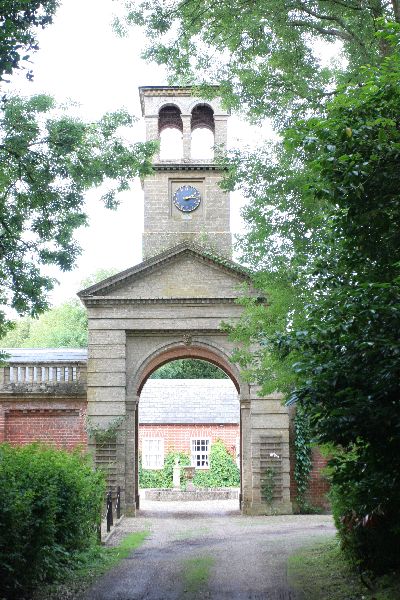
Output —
(184, 271)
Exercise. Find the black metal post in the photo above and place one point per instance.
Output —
(118, 503)
(109, 514)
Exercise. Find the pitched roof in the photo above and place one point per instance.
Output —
(162, 259)
(189, 401)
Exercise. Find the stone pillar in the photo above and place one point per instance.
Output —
(137, 498)
(269, 449)
(152, 132)
(187, 136)
(130, 458)
(245, 454)
(176, 475)
(221, 134)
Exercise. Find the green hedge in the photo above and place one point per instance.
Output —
(50, 503)
(223, 471)
(365, 505)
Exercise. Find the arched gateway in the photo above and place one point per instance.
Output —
(172, 305)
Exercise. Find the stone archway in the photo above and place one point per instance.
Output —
(172, 306)
(170, 352)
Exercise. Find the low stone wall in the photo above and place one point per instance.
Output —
(168, 495)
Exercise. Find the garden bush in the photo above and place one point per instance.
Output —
(50, 505)
(365, 505)
(223, 471)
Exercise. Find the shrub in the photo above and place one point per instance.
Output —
(365, 504)
(49, 505)
(223, 471)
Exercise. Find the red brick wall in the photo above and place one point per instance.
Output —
(54, 421)
(177, 437)
(319, 486)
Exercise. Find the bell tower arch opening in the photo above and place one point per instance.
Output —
(203, 132)
(170, 130)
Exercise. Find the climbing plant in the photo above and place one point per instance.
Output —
(302, 448)
(103, 435)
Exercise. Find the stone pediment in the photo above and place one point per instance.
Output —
(183, 272)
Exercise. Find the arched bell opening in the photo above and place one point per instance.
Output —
(170, 130)
(203, 132)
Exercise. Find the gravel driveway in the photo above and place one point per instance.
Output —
(208, 550)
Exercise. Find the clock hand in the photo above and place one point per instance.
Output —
(190, 197)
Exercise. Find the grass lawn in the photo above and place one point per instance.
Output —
(321, 573)
(88, 567)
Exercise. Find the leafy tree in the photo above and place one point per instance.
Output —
(189, 368)
(264, 55)
(63, 326)
(47, 164)
(342, 364)
(48, 160)
(18, 21)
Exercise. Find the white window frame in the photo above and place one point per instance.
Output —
(196, 454)
(152, 459)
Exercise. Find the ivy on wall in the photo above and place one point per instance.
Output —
(303, 462)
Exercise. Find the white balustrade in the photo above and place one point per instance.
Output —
(39, 375)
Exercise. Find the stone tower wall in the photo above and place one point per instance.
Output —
(165, 226)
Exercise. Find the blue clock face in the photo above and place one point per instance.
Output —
(186, 198)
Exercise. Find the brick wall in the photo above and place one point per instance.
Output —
(177, 437)
(57, 422)
(318, 486)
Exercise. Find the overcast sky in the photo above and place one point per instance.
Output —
(81, 59)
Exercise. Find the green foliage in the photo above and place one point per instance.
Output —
(365, 504)
(104, 435)
(87, 567)
(63, 326)
(265, 56)
(189, 368)
(302, 451)
(338, 344)
(268, 485)
(50, 506)
(223, 471)
(18, 21)
(162, 478)
(47, 164)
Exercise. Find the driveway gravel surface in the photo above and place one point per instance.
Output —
(208, 550)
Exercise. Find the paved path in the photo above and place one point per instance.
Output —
(208, 550)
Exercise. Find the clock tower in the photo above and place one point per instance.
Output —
(182, 199)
